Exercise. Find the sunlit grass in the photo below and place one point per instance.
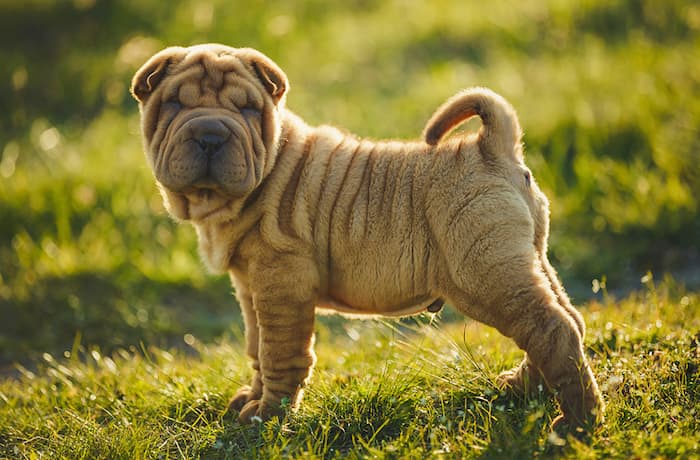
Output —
(127, 348)
(414, 389)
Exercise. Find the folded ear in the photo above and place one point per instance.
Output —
(148, 76)
(271, 76)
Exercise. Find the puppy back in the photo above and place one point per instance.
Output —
(500, 131)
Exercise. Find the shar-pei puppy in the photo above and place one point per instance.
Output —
(308, 217)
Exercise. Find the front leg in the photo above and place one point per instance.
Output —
(284, 289)
(285, 352)
(253, 391)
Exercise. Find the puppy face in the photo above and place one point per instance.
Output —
(210, 123)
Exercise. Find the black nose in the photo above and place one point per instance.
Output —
(209, 144)
(210, 135)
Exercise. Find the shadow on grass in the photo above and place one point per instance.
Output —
(458, 423)
(107, 311)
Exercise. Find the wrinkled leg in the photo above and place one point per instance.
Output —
(283, 289)
(519, 301)
(286, 356)
(253, 391)
(526, 378)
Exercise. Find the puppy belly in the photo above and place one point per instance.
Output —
(406, 308)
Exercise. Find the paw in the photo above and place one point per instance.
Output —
(579, 423)
(249, 411)
(582, 407)
(513, 382)
(507, 380)
(520, 381)
(258, 411)
(242, 397)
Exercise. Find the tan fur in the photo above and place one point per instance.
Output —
(309, 217)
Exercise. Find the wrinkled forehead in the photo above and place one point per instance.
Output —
(211, 75)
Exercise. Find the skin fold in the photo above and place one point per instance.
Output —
(304, 218)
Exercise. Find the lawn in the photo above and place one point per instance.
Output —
(116, 343)
(422, 388)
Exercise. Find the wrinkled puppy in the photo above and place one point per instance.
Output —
(310, 217)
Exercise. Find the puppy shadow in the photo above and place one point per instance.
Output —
(451, 422)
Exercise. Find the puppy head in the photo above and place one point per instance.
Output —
(210, 120)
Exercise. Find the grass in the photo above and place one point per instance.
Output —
(413, 389)
(85, 244)
(114, 343)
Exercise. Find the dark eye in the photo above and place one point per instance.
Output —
(250, 112)
(172, 104)
(527, 178)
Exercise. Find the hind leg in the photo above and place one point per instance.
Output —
(517, 298)
(526, 378)
(562, 297)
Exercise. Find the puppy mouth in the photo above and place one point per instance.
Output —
(203, 190)
(205, 194)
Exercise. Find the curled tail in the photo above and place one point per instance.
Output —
(500, 132)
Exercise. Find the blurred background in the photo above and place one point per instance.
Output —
(607, 92)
